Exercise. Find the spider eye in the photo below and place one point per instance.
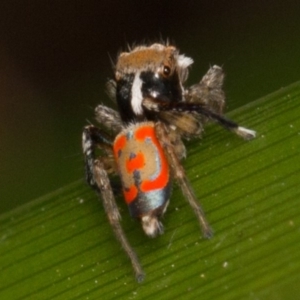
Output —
(166, 71)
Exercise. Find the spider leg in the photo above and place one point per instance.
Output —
(108, 117)
(228, 124)
(97, 177)
(198, 108)
(209, 90)
(182, 180)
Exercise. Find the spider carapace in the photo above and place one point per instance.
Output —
(143, 139)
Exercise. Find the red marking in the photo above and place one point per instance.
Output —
(130, 194)
(145, 132)
(135, 163)
(119, 144)
(163, 177)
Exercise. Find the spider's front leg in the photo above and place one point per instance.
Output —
(207, 99)
(209, 91)
(97, 170)
(198, 109)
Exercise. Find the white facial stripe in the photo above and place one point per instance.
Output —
(136, 95)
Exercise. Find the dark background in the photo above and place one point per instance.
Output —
(55, 60)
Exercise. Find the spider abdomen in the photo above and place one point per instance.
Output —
(144, 172)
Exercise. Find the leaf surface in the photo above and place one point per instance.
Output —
(61, 246)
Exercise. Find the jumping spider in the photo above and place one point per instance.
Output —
(155, 113)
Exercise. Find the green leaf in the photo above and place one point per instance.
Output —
(62, 247)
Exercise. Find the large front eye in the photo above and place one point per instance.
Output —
(166, 71)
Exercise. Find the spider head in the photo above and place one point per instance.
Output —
(156, 72)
